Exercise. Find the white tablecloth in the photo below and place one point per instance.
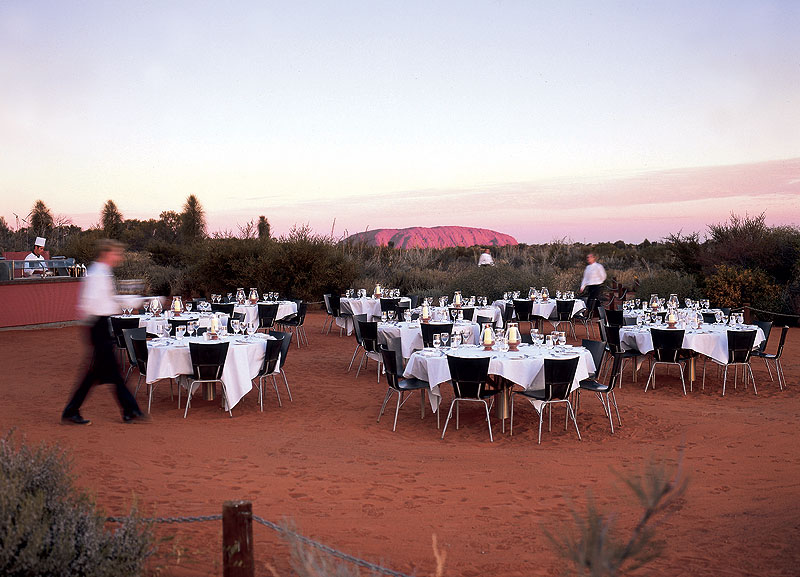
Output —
(360, 306)
(410, 335)
(241, 365)
(711, 340)
(524, 367)
(543, 308)
(150, 323)
(285, 308)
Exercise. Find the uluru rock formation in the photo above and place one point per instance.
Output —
(435, 237)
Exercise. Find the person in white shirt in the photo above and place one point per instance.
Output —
(486, 258)
(594, 275)
(96, 303)
(34, 262)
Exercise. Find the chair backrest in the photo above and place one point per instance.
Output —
(597, 350)
(208, 360)
(766, 327)
(127, 335)
(178, 323)
(482, 320)
(297, 319)
(369, 335)
(235, 317)
(390, 366)
(271, 355)
(389, 304)
(523, 308)
(268, 312)
(558, 377)
(328, 308)
(468, 375)
(740, 346)
(612, 337)
(667, 344)
(616, 318)
(356, 328)
(139, 345)
(430, 329)
(709, 318)
(779, 352)
(508, 313)
(120, 323)
(336, 304)
(287, 340)
(564, 309)
(616, 371)
(468, 312)
(226, 308)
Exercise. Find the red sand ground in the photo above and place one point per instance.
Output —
(323, 462)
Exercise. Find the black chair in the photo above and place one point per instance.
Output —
(357, 332)
(709, 318)
(563, 314)
(235, 317)
(401, 386)
(389, 304)
(740, 349)
(482, 320)
(766, 327)
(600, 389)
(268, 368)
(117, 326)
(430, 329)
(333, 308)
(508, 313)
(295, 323)
(175, 323)
(523, 309)
(127, 335)
(614, 346)
(369, 342)
(583, 316)
(469, 377)
(285, 345)
(266, 316)
(139, 345)
(667, 350)
(598, 351)
(615, 318)
(208, 362)
(467, 312)
(226, 308)
(776, 358)
(558, 377)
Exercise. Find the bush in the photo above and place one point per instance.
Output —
(667, 282)
(48, 527)
(732, 286)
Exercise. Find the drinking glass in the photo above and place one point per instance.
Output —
(445, 337)
(407, 315)
(437, 341)
(191, 327)
(454, 314)
(236, 326)
(460, 316)
(383, 317)
(251, 328)
(639, 320)
(562, 338)
(188, 307)
(456, 339)
(146, 307)
(179, 332)
(390, 316)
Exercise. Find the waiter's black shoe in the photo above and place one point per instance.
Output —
(76, 420)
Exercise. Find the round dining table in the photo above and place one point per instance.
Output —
(407, 336)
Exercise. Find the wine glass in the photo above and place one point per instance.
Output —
(188, 307)
(445, 337)
(390, 316)
(236, 326)
(146, 307)
(437, 341)
(456, 339)
(407, 315)
(562, 338)
(180, 330)
(383, 317)
(191, 327)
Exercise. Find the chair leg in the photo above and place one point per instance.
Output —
(277, 392)
(652, 376)
(286, 383)
(397, 410)
(572, 413)
(150, 396)
(540, 425)
(355, 352)
(781, 376)
(752, 378)
(449, 414)
(511, 432)
(769, 370)
(363, 357)
(385, 400)
(488, 421)
(616, 408)
(724, 380)
(683, 382)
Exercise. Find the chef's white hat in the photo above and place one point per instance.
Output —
(40, 241)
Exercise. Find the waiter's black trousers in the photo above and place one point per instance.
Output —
(103, 368)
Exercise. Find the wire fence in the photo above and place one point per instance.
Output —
(285, 532)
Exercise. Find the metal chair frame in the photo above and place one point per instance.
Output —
(401, 386)
(599, 389)
(776, 358)
(199, 370)
(369, 342)
(285, 346)
(466, 374)
(739, 353)
(666, 351)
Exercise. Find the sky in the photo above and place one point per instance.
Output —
(587, 120)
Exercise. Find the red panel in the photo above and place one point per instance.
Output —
(33, 302)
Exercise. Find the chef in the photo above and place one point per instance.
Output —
(34, 262)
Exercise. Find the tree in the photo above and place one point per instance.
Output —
(111, 220)
(193, 220)
(168, 225)
(263, 227)
(41, 222)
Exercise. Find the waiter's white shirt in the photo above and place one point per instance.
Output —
(594, 274)
(31, 266)
(98, 297)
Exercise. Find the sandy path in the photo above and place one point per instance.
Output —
(323, 462)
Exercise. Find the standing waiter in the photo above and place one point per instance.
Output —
(97, 302)
(593, 278)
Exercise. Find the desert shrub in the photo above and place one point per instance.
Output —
(667, 282)
(732, 286)
(82, 246)
(48, 527)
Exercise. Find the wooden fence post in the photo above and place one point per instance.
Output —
(237, 539)
(747, 313)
